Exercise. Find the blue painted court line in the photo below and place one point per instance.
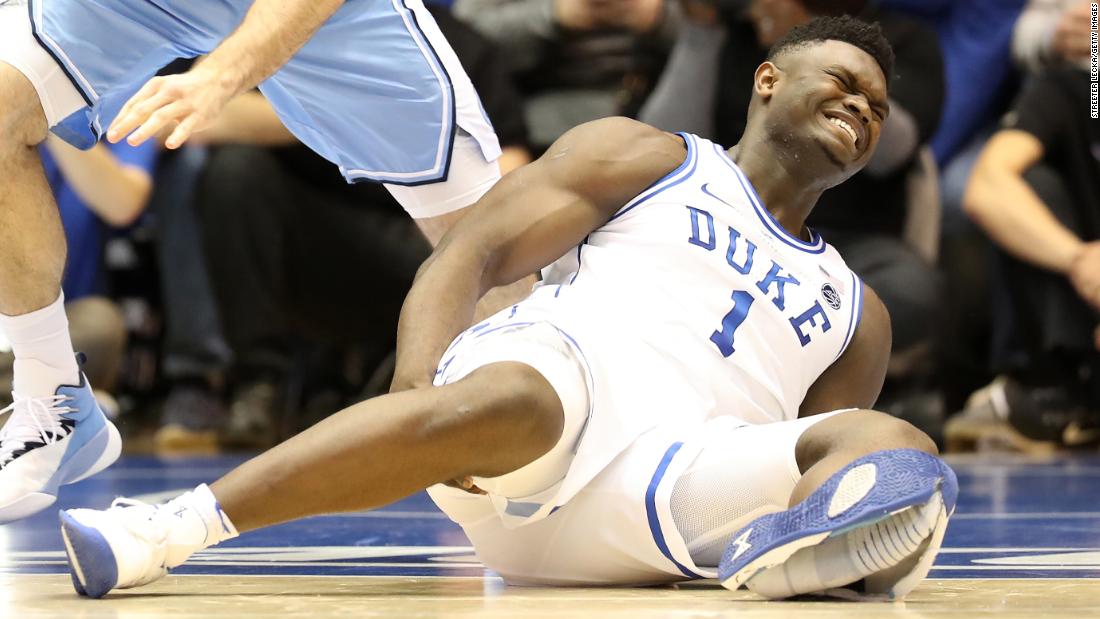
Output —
(1015, 519)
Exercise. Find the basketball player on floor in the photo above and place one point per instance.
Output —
(377, 91)
(683, 396)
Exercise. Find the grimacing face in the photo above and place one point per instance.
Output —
(827, 107)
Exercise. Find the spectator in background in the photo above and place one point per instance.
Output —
(1036, 192)
(96, 190)
(864, 218)
(1052, 32)
(976, 38)
(296, 255)
(576, 60)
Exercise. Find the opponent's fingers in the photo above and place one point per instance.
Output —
(123, 123)
(183, 131)
(140, 114)
(157, 121)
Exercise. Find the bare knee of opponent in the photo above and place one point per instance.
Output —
(22, 121)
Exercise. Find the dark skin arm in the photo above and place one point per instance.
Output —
(529, 219)
(855, 379)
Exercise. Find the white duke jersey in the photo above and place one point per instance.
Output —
(692, 302)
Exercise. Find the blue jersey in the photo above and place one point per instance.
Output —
(377, 90)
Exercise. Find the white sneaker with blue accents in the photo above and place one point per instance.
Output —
(133, 543)
(49, 442)
(878, 523)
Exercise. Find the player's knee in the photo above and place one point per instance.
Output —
(517, 416)
(22, 121)
(857, 433)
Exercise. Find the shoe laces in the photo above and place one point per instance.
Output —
(138, 516)
(33, 420)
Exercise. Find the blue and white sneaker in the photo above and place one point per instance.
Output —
(879, 520)
(134, 543)
(49, 442)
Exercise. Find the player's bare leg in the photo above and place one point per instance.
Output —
(54, 409)
(32, 242)
(872, 506)
(498, 419)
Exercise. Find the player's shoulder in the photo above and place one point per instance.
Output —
(623, 143)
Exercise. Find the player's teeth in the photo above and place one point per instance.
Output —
(845, 126)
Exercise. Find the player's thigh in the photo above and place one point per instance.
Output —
(85, 59)
(436, 207)
(379, 92)
(31, 87)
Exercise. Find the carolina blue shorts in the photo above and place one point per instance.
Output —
(377, 90)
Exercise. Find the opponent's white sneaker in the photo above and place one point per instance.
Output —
(133, 543)
(49, 442)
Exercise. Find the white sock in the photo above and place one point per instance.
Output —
(199, 523)
(44, 358)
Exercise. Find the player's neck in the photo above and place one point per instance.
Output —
(786, 196)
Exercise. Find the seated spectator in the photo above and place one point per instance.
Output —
(298, 259)
(1053, 32)
(1036, 192)
(976, 38)
(864, 217)
(576, 60)
(96, 190)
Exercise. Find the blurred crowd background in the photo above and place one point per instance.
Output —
(233, 292)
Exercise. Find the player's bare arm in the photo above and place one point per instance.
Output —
(855, 379)
(528, 220)
(272, 31)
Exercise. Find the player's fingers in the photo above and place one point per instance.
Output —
(139, 115)
(124, 121)
(156, 122)
(182, 132)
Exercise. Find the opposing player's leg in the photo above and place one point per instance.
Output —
(56, 433)
(499, 418)
(872, 506)
(438, 206)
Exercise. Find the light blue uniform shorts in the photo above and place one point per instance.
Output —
(377, 90)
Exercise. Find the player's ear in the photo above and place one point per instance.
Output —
(766, 77)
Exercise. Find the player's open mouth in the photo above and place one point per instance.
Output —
(850, 130)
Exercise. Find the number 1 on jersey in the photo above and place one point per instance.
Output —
(723, 339)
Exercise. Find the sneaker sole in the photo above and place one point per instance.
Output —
(26, 505)
(102, 451)
(92, 564)
(902, 478)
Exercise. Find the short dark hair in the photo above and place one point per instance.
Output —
(866, 36)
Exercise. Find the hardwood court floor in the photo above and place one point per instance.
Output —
(290, 597)
(1024, 542)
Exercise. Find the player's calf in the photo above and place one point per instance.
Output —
(498, 419)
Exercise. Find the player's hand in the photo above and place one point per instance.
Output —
(1071, 36)
(1084, 273)
(181, 104)
(465, 483)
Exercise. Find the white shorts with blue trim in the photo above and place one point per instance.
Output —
(619, 529)
(377, 90)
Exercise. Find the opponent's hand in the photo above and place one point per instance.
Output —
(188, 102)
(1084, 273)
